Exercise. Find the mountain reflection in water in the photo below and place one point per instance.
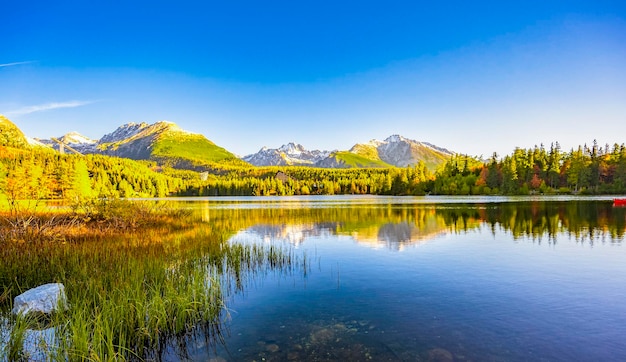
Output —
(394, 236)
(396, 227)
(400, 279)
(453, 281)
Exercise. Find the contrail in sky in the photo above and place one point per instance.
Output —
(48, 107)
(16, 63)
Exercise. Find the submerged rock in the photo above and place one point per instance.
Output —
(322, 336)
(43, 299)
(440, 355)
(39, 344)
(272, 348)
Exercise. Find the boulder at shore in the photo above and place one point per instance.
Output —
(43, 299)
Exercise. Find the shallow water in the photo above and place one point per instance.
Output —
(441, 279)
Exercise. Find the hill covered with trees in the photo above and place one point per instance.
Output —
(10, 134)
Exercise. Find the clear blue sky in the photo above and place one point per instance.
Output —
(472, 76)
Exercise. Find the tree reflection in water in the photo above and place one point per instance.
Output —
(398, 226)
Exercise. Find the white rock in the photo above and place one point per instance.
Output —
(39, 344)
(45, 299)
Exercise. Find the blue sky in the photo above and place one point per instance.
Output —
(474, 77)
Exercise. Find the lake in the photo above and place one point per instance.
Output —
(426, 278)
(334, 278)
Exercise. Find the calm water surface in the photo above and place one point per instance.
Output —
(439, 279)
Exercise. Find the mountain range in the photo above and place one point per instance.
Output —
(291, 154)
(393, 151)
(168, 144)
(163, 142)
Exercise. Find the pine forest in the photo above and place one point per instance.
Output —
(39, 174)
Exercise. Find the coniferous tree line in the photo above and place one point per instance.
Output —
(584, 170)
(537, 170)
(44, 174)
(264, 181)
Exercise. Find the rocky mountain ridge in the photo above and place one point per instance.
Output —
(73, 139)
(166, 143)
(291, 154)
(395, 150)
(163, 141)
(401, 152)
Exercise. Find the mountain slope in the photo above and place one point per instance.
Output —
(401, 152)
(11, 135)
(165, 143)
(367, 150)
(347, 159)
(189, 146)
(123, 132)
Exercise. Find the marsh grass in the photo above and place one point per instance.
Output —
(140, 278)
(29, 337)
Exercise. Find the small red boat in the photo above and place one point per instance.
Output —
(619, 202)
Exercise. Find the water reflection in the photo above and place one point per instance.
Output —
(397, 236)
(292, 233)
(486, 292)
(396, 227)
(394, 236)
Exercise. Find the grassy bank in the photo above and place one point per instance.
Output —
(139, 278)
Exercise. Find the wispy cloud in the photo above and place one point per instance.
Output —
(16, 63)
(48, 107)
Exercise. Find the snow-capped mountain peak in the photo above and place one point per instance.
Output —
(292, 148)
(35, 142)
(76, 139)
(373, 143)
(289, 154)
(396, 138)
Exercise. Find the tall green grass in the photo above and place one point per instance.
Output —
(133, 287)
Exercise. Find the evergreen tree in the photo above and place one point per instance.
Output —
(80, 188)
(493, 173)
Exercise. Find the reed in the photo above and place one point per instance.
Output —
(137, 278)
